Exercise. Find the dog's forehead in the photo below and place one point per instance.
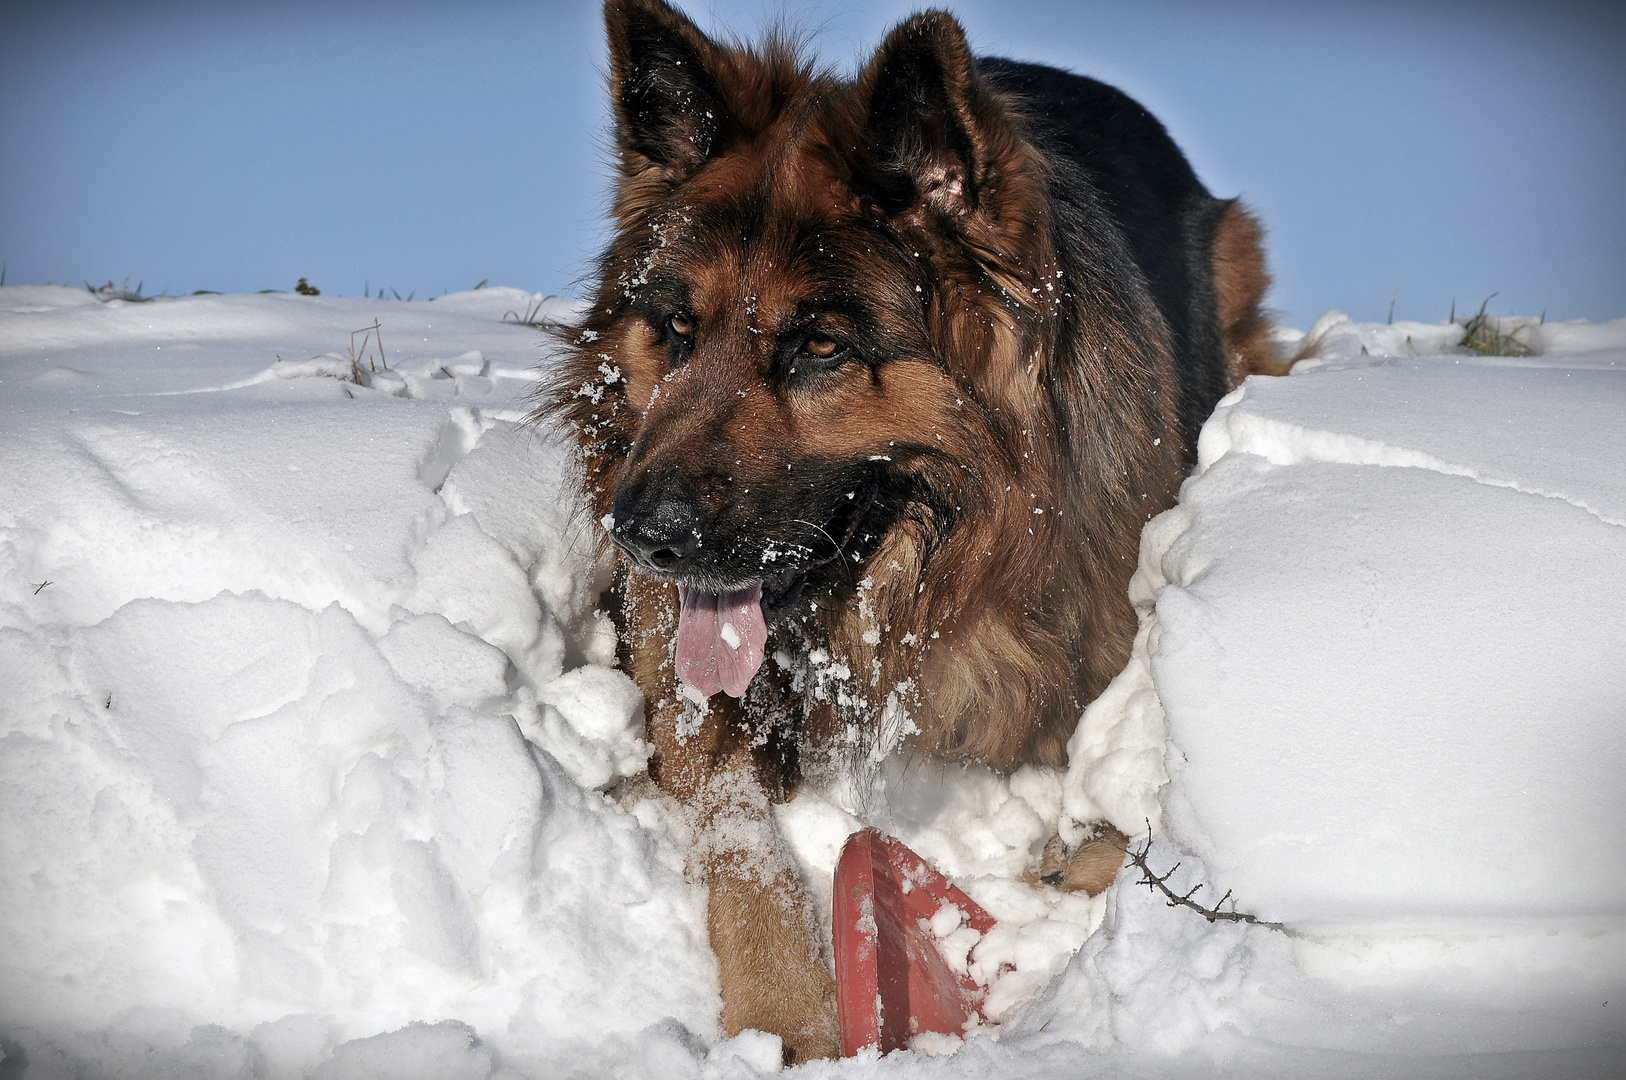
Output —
(769, 230)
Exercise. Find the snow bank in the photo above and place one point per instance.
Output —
(313, 760)
(1386, 603)
(310, 716)
(290, 758)
(1377, 695)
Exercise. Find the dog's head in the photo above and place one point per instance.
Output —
(804, 323)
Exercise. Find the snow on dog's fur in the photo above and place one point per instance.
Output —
(880, 381)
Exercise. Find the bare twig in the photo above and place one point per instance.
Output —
(1153, 880)
(40, 586)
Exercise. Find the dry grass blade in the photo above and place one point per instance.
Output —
(532, 316)
(1483, 334)
(372, 351)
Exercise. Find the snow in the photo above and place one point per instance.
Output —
(1464, 624)
(1376, 694)
(314, 761)
(1433, 540)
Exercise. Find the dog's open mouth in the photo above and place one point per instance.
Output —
(722, 636)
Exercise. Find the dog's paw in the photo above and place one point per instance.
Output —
(817, 1036)
(1089, 867)
(797, 1003)
(768, 964)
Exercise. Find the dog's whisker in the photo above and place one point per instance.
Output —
(840, 555)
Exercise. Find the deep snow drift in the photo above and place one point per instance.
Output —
(312, 763)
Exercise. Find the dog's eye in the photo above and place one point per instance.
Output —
(811, 353)
(817, 352)
(820, 347)
(679, 336)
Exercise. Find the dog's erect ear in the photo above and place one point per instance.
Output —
(929, 119)
(663, 83)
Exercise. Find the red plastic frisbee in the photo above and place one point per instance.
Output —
(892, 982)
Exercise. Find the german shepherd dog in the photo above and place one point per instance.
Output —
(881, 380)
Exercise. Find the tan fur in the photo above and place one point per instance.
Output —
(1088, 868)
(1241, 280)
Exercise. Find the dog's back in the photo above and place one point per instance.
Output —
(1201, 257)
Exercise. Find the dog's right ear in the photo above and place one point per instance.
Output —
(664, 84)
(932, 133)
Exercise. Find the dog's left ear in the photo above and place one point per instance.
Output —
(664, 72)
(931, 124)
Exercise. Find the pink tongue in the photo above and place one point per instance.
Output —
(720, 639)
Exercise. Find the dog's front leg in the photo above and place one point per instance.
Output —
(761, 924)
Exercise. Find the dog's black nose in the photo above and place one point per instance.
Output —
(658, 527)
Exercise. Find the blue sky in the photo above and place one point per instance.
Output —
(1418, 152)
